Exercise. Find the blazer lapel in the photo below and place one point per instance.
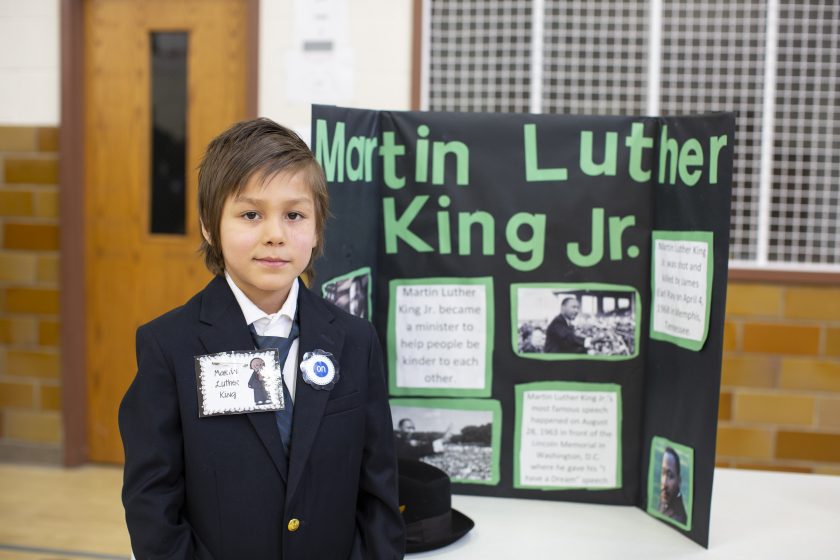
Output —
(316, 331)
(223, 329)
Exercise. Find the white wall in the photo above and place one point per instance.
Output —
(29, 62)
(369, 65)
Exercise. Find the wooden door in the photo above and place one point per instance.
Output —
(133, 271)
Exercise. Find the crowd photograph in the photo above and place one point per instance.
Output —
(459, 442)
(554, 320)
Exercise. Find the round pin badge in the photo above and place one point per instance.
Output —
(319, 370)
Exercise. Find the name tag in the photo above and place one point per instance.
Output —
(239, 382)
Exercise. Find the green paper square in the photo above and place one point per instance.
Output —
(487, 386)
(457, 459)
(563, 386)
(629, 291)
(326, 288)
(686, 456)
(706, 237)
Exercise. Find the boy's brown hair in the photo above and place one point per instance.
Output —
(257, 146)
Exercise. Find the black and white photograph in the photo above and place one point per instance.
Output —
(671, 482)
(575, 320)
(350, 292)
(457, 441)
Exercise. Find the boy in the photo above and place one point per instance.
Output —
(237, 486)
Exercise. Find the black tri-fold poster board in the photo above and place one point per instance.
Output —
(549, 291)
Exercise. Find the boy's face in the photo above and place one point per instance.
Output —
(267, 235)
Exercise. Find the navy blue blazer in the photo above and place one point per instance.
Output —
(220, 487)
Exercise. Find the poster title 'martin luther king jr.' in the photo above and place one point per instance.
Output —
(352, 160)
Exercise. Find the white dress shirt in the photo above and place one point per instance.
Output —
(275, 324)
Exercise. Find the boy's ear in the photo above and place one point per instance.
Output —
(205, 233)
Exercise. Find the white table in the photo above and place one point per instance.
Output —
(755, 515)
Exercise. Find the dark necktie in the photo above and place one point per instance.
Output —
(283, 345)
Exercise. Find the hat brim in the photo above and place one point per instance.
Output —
(461, 525)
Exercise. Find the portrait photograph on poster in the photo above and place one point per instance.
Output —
(350, 292)
(461, 437)
(575, 321)
(671, 482)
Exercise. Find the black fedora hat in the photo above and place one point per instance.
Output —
(426, 503)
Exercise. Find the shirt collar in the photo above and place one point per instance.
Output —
(253, 313)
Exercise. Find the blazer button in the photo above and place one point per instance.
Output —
(294, 524)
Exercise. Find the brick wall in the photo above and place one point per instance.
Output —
(30, 392)
(780, 394)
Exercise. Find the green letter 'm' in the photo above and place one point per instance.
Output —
(330, 158)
